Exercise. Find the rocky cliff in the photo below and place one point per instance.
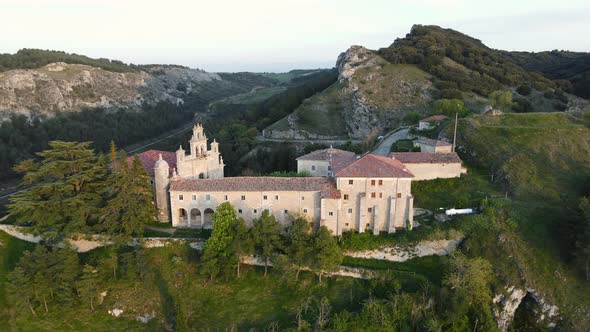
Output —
(61, 87)
(371, 95)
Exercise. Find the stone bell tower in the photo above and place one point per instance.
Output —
(198, 142)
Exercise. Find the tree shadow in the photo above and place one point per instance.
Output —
(168, 306)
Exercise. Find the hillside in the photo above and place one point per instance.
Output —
(376, 89)
(370, 94)
(543, 155)
(572, 67)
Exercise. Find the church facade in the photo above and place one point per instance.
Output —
(346, 192)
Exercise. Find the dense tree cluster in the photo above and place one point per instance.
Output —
(34, 58)
(293, 250)
(570, 69)
(460, 62)
(72, 190)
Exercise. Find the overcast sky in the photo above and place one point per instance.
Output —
(277, 35)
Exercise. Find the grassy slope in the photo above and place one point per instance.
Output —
(538, 154)
(544, 160)
(253, 96)
(321, 113)
(393, 86)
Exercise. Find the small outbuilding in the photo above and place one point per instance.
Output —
(431, 122)
(434, 146)
(429, 165)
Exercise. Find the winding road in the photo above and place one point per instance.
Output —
(384, 147)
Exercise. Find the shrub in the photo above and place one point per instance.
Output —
(524, 90)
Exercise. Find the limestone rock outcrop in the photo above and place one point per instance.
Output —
(62, 87)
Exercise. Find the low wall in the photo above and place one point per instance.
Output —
(85, 244)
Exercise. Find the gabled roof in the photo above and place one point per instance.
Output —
(326, 154)
(374, 166)
(437, 118)
(432, 142)
(425, 157)
(326, 186)
(148, 160)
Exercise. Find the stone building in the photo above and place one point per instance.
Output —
(433, 146)
(345, 192)
(430, 165)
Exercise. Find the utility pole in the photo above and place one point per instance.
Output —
(455, 133)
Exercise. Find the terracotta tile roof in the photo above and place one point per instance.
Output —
(425, 157)
(375, 166)
(326, 186)
(342, 161)
(325, 154)
(148, 160)
(432, 142)
(437, 118)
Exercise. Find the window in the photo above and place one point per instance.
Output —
(243, 197)
(368, 225)
(265, 197)
(285, 211)
(372, 182)
(346, 224)
(302, 198)
(380, 195)
(330, 213)
(350, 181)
(380, 182)
(370, 210)
(240, 211)
(225, 197)
(399, 195)
(277, 197)
(208, 197)
(349, 210)
(345, 196)
(180, 197)
(373, 195)
(255, 211)
(304, 210)
(194, 197)
(313, 167)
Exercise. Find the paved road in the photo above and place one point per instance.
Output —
(185, 129)
(384, 147)
(316, 141)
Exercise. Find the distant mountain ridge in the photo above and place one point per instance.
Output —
(47, 82)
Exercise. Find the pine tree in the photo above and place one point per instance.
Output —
(64, 194)
(298, 248)
(327, 254)
(129, 201)
(266, 237)
(20, 289)
(87, 285)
